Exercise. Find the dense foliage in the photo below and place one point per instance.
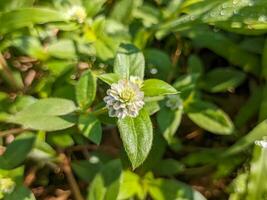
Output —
(133, 99)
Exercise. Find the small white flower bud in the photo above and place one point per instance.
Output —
(77, 13)
(174, 102)
(125, 98)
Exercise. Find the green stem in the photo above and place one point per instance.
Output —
(100, 111)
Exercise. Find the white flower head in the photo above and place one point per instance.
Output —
(261, 143)
(174, 102)
(77, 13)
(7, 185)
(125, 98)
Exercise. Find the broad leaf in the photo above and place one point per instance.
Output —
(63, 49)
(137, 135)
(46, 114)
(17, 151)
(156, 87)
(86, 169)
(106, 183)
(169, 121)
(129, 61)
(90, 127)
(131, 185)
(168, 167)
(164, 189)
(160, 60)
(209, 117)
(109, 78)
(21, 193)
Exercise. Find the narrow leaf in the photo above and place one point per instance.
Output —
(86, 90)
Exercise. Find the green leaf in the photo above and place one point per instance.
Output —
(63, 49)
(164, 189)
(264, 60)
(234, 16)
(106, 183)
(109, 78)
(90, 127)
(222, 79)
(130, 186)
(43, 122)
(255, 134)
(195, 65)
(250, 108)
(137, 135)
(168, 167)
(129, 61)
(156, 87)
(225, 47)
(46, 114)
(209, 117)
(160, 60)
(31, 46)
(17, 151)
(86, 169)
(49, 106)
(186, 82)
(61, 139)
(169, 121)
(21, 193)
(263, 104)
(238, 187)
(20, 103)
(86, 90)
(256, 188)
(93, 7)
(122, 11)
(23, 17)
(152, 107)
(14, 4)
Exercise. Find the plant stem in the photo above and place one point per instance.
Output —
(100, 111)
(7, 74)
(65, 165)
(12, 132)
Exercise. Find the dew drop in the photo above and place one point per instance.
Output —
(222, 13)
(73, 77)
(235, 11)
(153, 71)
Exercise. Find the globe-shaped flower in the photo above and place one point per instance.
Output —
(124, 98)
(7, 185)
(77, 13)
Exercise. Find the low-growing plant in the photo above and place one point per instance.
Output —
(133, 99)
